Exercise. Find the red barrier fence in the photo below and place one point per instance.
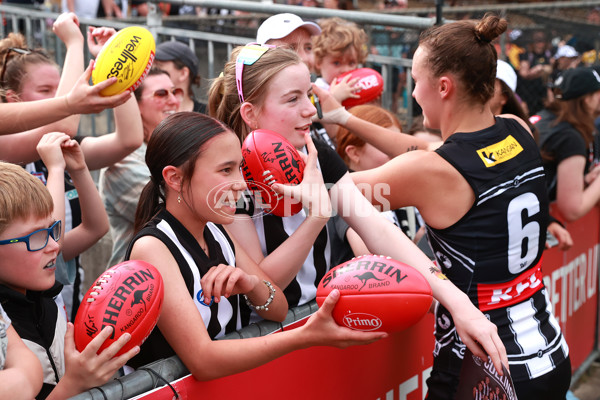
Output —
(396, 368)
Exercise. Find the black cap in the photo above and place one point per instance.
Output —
(577, 82)
(173, 50)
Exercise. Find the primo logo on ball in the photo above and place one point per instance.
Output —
(362, 322)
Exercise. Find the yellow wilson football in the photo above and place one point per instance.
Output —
(127, 55)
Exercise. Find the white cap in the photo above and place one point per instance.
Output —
(280, 25)
(566, 51)
(506, 73)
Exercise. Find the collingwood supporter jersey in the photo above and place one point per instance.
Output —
(273, 231)
(493, 253)
(219, 318)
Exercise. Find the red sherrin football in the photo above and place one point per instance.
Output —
(128, 297)
(371, 84)
(378, 293)
(270, 158)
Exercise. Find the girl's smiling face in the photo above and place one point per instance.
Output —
(287, 108)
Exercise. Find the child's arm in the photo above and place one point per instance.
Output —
(21, 147)
(87, 369)
(82, 99)
(108, 149)
(94, 220)
(22, 376)
(389, 142)
(103, 151)
(51, 154)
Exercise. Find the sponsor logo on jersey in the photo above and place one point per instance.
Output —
(497, 295)
(500, 152)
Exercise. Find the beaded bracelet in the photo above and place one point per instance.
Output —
(269, 300)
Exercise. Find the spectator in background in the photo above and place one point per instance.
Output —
(341, 47)
(534, 71)
(81, 8)
(122, 183)
(505, 101)
(566, 57)
(180, 62)
(290, 30)
(567, 136)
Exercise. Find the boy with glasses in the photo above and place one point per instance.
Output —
(29, 245)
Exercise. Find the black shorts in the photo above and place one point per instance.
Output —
(551, 386)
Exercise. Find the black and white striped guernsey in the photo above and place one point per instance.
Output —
(220, 318)
(493, 253)
(273, 231)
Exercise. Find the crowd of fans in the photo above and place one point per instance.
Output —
(169, 150)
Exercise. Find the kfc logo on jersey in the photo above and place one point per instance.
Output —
(497, 295)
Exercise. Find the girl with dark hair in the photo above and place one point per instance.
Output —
(194, 164)
(483, 198)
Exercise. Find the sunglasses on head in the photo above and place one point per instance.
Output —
(249, 54)
(38, 239)
(164, 93)
(18, 50)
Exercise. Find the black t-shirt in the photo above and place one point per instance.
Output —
(559, 142)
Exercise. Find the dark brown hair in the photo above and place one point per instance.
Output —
(464, 48)
(178, 141)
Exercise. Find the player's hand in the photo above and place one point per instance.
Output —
(311, 191)
(481, 336)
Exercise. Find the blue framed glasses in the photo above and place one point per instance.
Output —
(37, 240)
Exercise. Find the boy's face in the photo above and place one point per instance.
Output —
(21, 269)
(331, 66)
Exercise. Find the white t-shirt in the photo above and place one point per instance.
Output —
(83, 8)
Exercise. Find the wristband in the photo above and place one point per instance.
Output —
(269, 300)
(336, 116)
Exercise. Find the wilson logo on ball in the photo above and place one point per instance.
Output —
(377, 293)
